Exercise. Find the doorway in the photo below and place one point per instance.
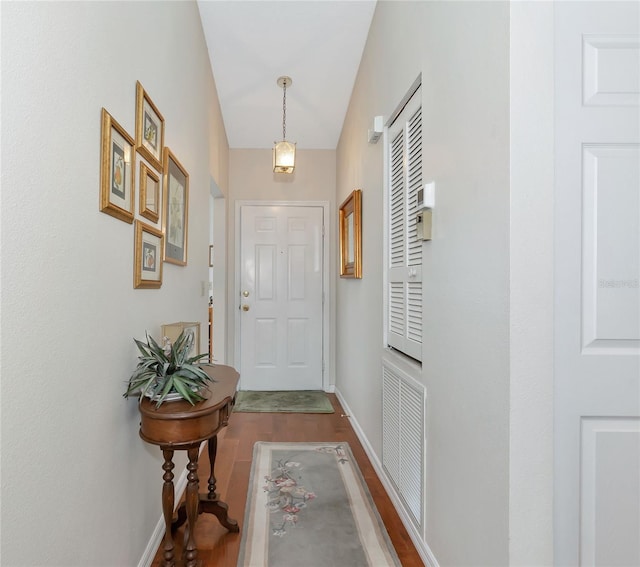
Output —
(281, 293)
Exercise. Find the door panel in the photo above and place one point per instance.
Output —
(610, 476)
(611, 311)
(281, 289)
(597, 291)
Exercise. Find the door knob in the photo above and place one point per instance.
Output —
(245, 293)
(245, 307)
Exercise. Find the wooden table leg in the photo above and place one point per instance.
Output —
(212, 447)
(167, 506)
(210, 504)
(191, 552)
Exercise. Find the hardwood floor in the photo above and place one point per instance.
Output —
(219, 548)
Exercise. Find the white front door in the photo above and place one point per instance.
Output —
(597, 274)
(281, 297)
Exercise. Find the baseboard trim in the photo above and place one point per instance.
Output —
(158, 533)
(422, 547)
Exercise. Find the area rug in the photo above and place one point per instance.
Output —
(290, 401)
(309, 505)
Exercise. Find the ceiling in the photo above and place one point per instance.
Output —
(317, 43)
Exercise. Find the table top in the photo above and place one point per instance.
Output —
(178, 423)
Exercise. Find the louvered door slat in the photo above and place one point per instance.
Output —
(414, 311)
(397, 309)
(403, 437)
(391, 425)
(397, 191)
(411, 448)
(414, 183)
(404, 326)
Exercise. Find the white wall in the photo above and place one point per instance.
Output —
(251, 178)
(462, 51)
(79, 487)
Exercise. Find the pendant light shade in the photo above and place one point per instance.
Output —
(284, 153)
(284, 157)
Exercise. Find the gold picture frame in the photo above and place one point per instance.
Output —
(175, 212)
(350, 226)
(147, 261)
(149, 191)
(149, 128)
(117, 172)
(172, 332)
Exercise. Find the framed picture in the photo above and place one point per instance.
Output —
(117, 170)
(175, 211)
(149, 128)
(147, 270)
(172, 332)
(149, 191)
(350, 223)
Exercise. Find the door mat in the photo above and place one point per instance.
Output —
(308, 504)
(288, 401)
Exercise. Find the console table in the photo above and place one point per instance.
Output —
(178, 425)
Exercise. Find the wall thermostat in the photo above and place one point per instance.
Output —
(426, 199)
(423, 224)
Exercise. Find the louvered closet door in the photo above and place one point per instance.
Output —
(405, 249)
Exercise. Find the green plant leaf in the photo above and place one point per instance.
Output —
(195, 372)
(166, 388)
(196, 358)
(142, 348)
(192, 384)
(161, 373)
(152, 343)
(145, 366)
(178, 352)
(186, 392)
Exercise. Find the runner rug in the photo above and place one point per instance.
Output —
(287, 401)
(309, 505)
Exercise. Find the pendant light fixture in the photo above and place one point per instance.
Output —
(284, 153)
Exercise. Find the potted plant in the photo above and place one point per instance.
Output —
(168, 372)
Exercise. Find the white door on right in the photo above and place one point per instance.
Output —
(597, 291)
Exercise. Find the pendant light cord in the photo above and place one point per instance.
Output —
(284, 111)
